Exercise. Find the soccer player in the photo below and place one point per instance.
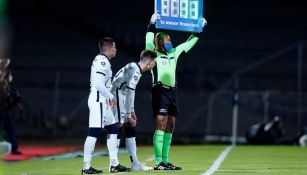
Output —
(164, 99)
(100, 102)
(123, 86)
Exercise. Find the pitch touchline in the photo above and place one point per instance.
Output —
(218, 161)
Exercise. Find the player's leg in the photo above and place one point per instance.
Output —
(95, 125)
(130, 134)
(112, 142)
(120, 113)
(115, 166)
(89, 147)
(112, 132)
(119, 135)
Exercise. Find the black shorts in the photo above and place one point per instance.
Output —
(164, 101)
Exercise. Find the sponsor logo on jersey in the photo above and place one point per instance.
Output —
(162, 110)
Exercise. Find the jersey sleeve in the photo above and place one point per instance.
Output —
(186, 46)
(117, 81)
(130, 101)
(101, 67)
(131, 86)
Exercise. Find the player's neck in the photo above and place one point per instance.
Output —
(106, 55)
(142, 66)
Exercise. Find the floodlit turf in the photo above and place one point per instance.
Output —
(268, 160)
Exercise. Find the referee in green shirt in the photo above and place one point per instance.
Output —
(164, 99)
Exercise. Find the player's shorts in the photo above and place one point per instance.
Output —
(100, 113)
(164, 100)
(120, 112)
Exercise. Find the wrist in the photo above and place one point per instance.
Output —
(129, 115)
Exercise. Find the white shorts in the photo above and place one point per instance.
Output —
(120, 112)
(100, 113)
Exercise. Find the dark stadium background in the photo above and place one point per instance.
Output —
(55, 41)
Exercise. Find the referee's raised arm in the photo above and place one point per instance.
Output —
(150, 35)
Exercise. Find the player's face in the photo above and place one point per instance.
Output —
(113, 50)
(151, 65)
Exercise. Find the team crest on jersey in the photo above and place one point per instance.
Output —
(135, 77)
(164, 62)
(103, 63)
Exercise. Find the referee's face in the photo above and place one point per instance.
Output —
(167, 39)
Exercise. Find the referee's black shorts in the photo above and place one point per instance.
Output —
(164, 100)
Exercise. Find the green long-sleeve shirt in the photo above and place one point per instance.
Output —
(165, 71)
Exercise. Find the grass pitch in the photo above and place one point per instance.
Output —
(196, 159)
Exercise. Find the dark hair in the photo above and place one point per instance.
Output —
(161, 35)
(148, 55)
(106, 41)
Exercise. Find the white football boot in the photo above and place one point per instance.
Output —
(140, 167)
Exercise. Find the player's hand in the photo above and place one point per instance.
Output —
(204, 22)
(111, 102)
(134, 116)
(120, 125)
(154, 18)
(131, 121)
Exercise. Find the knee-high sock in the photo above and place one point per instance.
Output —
(158, 145)
(131, 148)
(166, 146)
(119, 135)
(118, 144)
(89, 147)
(112, 148)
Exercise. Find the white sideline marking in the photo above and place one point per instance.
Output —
(218, 161)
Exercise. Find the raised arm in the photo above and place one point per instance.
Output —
(185, 47)
(150, 35)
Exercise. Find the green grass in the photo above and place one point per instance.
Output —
(269, 160)
(196, 159)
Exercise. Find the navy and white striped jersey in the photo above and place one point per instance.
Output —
(126, 80)
(101, 77)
